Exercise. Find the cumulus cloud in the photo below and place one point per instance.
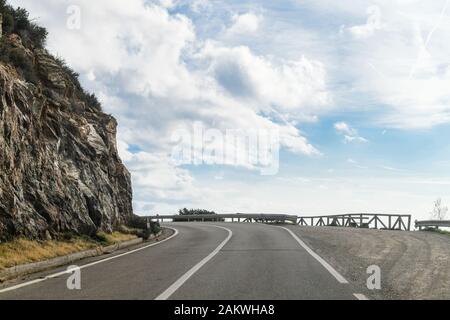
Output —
(404, 67)
(397, 61)
(138, 44)
(152, 72)
(167, 3)
(157, 180)
(162, 65)
(293, 87)
(350, 134)
(245, 23)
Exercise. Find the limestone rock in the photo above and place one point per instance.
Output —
(60, 171)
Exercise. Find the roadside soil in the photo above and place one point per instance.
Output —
(414, 265)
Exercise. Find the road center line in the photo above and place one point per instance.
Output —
(55, 275)
(177, 284)
(325, 264)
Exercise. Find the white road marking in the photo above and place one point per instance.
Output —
(177, 284)
(325, 264)
(29, 283)
(360, 296)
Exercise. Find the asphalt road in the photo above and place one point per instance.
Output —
(202, 262)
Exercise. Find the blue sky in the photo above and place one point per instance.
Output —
(358, 91)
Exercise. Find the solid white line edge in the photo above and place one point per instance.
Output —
(177, 284)
(55, 275)
(325, 264)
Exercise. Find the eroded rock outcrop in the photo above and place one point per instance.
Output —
(59, 166)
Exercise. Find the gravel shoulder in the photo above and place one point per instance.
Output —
(414, 265)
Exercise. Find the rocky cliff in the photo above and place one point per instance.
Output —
(60, 171)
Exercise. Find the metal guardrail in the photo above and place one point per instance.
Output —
(360, 220)
(239, 217)
(432, 224)
(355, 220)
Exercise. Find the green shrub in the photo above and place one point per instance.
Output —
(140, 223)
(18, 21)
(18, 59)
(137, 222)
(102, 238)
(74, 76)
(155, 227)
(8, 23)
(91, 100)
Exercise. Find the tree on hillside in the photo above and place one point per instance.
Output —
(439, 211)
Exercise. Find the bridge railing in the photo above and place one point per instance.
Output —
(238, 217)
(360, 220)
(355, 220)
(432, 224)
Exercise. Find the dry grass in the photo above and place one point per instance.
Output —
(22, 251)
(115, 237)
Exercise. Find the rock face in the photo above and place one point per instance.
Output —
(60, 171)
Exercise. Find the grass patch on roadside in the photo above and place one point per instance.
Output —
(115, 237)
(22, 251)
(444, 232)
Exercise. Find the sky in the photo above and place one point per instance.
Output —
(352, 96)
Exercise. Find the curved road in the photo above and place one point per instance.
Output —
(228, 261)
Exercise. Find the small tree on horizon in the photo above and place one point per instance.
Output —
(439, 211)
(190, 212)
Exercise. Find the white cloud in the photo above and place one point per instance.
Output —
(152, 73)
(404, 68)
(245, 23)
(157, 180)
(372, 25)
(397, 62)
(140, 51)
(156, 71)
(138, 44)
(350, 134)
(168, 3)
(294, 88)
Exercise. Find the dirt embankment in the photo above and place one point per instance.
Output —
(414, 265)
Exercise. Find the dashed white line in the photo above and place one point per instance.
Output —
(325, 264)
(177, 284)
(360, 296)
(55, 275)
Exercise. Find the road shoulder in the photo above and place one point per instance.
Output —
(42, 269)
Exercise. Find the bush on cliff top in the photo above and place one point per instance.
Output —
(17, 21)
